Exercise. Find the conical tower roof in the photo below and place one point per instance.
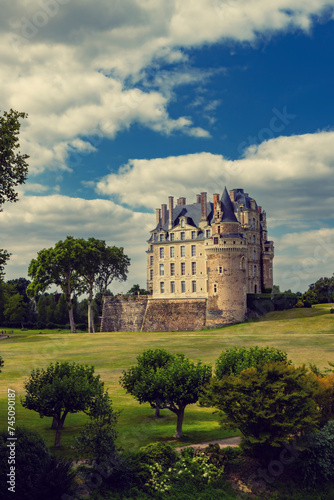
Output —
(227, 208)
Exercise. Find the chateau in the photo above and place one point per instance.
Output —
(203, 259)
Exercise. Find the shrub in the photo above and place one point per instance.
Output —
(317, 461)
(38, 474)
(300, 303)
(163, 453)
(332, 310)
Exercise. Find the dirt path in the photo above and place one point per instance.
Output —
(223, 443)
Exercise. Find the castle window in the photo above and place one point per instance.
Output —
(193, 250)
(182, 223)
(183, 268)
(172, 287)
(171, 236)
(183, 235)
(151, 248)
(172, 251)
(162, 287)
(193, 235)
(255, 288)
(208, 233)
(161, 269)
(218, 229)
(254, 255)
(162, 252)
(215, 288)
(193, 286)
(193, 268)
(172, 269)
(183, 251)
(220, 270)
(254, 274)
(151, 274)
(270, 272)
(161, 237)
(151, 260)
(215, 240)
(242, 263)
(253, 239)
(183, 287)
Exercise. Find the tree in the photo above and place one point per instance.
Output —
(150, 360)
(172, 386)
(136, 290)
(16, 309)
(64, 388)
(4, 257)
(1, 363)
(268, 403)
(58, 266)
(13, 165)
(100, 265)
(321, 291)
(235, 359)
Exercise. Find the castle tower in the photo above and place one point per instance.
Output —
(226, 268)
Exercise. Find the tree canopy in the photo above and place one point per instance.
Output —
(62, 388)
(321, 291)
(174, 385)
(13, 165)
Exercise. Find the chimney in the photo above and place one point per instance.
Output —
(170, 211)
(204, 207)
(163, 214)
(198, 198)
(157, 216)
(215, 203)
(181, 201)
(232, 193)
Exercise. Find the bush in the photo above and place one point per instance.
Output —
(163, 453)
(317, 461)
(331, 310)
(300, 303)
(38, 474)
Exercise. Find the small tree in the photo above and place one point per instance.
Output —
(150, 360)
(1, 363)
(268, 403)
(172, 386)
(64, 388)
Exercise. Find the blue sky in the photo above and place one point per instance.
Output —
(132, 101)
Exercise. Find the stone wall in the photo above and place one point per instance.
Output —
(175, 315)
(133, 314)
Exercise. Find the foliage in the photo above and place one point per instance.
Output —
(1, 363)
(235, 359)
(324, 396)
(135, 290)
(38, 475)
(331, 310)
(316, 463)
(160, 452)
(13, 165)
(321, 291)
(173, 385)
(4, 257)
(268, 403)
(62, 388)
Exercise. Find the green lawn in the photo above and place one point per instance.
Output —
(306, 334)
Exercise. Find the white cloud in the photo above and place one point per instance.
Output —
(69, 64)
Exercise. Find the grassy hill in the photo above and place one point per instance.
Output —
(306, 334)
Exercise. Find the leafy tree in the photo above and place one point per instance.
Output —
(321, 291)
(135, 290)
(100, 265)
(150, 360)
(1, 363)
(13, 165)
(16, 309)
(268, 403)
(173, 386)
(235, 359)
(64, 388)
(58, 266)
(4, 257)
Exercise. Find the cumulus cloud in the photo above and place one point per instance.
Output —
(300, 168)
(80, 69)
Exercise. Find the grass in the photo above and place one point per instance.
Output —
(306, 334)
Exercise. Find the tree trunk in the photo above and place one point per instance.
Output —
(157, 412)
(55, 421)
(180, 414)
(71, 317)
(59, 430)
(91, 324)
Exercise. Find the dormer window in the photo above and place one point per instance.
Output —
(161, 237)
(182, 222)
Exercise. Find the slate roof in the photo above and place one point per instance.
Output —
(227, 208)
